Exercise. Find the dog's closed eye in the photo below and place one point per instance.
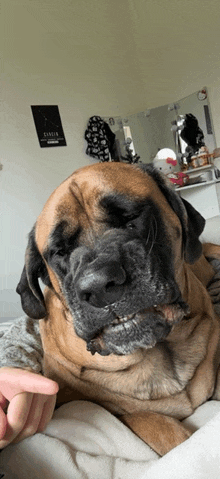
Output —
(61, 242)
(130, 225)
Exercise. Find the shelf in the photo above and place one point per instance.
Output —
(196, 185)
(200, 168)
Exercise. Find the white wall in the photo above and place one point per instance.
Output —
(30, 173)
(214, 97)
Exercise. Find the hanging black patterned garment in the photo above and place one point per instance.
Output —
(192, 135)
(100, 139)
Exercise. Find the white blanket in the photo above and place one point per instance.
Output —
(84, 441)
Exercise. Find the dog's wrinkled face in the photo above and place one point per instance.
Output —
(112, 238)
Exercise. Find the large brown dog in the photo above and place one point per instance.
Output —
(127, 321)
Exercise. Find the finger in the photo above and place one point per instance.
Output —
(14, 381)
(17, 414)
(33, 419)
(47, 414)
(3, 423)
(3, 401)
(40, 413)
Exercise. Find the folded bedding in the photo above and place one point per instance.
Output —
(84, 441)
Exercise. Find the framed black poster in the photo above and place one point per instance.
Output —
(48, 125)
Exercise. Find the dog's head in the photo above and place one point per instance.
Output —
(110, 243)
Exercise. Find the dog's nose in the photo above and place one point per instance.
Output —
(101, 284)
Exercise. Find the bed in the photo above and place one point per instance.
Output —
(83, 441)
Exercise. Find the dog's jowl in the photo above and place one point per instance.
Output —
(125, 318)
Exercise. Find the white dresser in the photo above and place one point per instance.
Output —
(203, 196)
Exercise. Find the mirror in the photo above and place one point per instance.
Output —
(151, 130)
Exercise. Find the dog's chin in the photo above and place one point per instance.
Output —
(143, 329)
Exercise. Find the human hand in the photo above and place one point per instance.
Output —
(27, 402)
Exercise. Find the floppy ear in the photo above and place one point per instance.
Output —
(192, 222)
(195, 226)
(32, 299)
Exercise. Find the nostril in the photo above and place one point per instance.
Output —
(85, 297)
(110, 285)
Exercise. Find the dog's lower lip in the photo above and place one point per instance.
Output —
(171, 313)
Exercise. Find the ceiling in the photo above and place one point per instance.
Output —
(160, 50)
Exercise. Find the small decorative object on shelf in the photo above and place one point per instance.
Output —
(216, 153)
(203, 158)
(178, 178)
(166, 162)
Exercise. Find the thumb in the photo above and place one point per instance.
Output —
(14, 381)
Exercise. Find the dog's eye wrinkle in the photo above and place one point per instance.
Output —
(56, 252)
(122, 221)
(61, 243)
(115, 222)
(60, 253)
(122, 211)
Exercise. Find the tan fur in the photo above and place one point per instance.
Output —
(147, 386)
(162, 433)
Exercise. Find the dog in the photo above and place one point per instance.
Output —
(125, 319)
